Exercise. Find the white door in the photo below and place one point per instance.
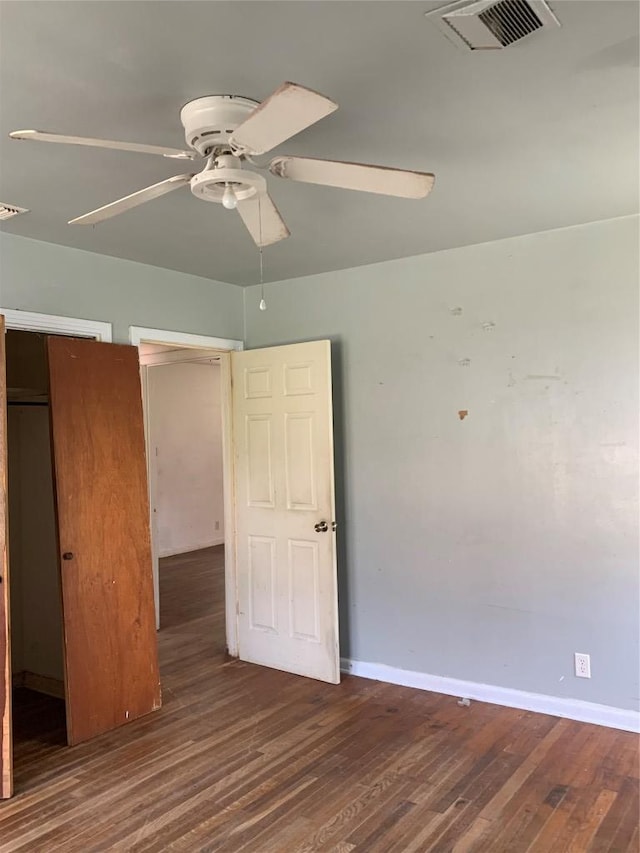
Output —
(285, 509)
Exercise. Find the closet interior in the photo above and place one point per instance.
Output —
(37, 659)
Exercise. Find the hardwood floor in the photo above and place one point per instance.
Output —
(192, 588)
(241, 758)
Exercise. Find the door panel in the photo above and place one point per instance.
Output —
(283, 449)
(6, 776)
(103, 521)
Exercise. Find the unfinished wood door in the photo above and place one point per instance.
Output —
(6, 776)
(111, 663)
(284, 487)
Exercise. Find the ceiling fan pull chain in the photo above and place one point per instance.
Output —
(263, 304)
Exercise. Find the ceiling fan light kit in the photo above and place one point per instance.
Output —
(223, 176)
(228, 130)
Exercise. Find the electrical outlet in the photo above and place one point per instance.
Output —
(217, 525)
(583, 665)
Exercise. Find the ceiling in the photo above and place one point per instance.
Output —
(541, 135)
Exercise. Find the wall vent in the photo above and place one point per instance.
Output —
(8, 211)
(491, 25)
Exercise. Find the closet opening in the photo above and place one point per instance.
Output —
(37, 657)
(79, 641)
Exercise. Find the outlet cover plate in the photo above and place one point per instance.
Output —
(582, 665)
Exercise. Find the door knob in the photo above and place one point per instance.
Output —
(67, 555)
(321, 527)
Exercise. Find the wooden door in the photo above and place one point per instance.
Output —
(284, 488)
(6, 775)
(111, 664)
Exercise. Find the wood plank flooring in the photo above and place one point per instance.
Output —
(242, 758)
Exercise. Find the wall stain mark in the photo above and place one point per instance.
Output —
(505, 607)
(542, 376)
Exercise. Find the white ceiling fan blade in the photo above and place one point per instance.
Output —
(43, 136)
(354, 176)
(133, 200)
(262, 219)
(290, 109)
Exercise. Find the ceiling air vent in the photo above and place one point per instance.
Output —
(8, 211)
(490, 25)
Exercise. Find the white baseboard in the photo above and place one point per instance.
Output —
(172, 552)
(571, 709)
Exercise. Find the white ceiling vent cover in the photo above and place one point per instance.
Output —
(8, 211)
(491, 25)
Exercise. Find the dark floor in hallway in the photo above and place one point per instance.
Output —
(192, 587)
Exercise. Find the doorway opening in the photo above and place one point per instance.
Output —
(35, 601)
(191, 347)
(182, 389)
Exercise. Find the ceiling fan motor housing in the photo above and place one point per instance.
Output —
(209, 122)
(223, 172)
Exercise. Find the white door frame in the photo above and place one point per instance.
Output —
(224, 347)
(30, 321)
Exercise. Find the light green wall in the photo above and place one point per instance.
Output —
(488, 549)
(52, 279)
(491, 548)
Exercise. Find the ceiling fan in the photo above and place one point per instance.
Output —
(228, 131)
